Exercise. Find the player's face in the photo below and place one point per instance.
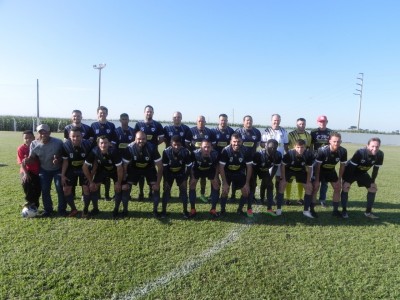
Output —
(75, 137)
(124, 121)
(148, 114)
(271, 148)
(76, 118)
(201, 123)
(177, 119)
(140, 139)
(103, 145)
(322, 124)
(28, 138)
(300, 149)
(223, 122)
(44, 136)
(102, 115)
(334, 143)
(206, 148)
(248, 122)
(301, 126)
(176, 146)
(373, 147)
(275, 121)
(235, 143)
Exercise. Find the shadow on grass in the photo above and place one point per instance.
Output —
(3, 165)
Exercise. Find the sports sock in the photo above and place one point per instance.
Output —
(370, 201)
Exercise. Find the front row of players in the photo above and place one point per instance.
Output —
(235, 166)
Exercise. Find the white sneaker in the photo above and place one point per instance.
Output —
(308, 214)
(278, 212)
(371, 216)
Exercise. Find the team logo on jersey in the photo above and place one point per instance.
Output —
(231, 159)
(108, 130)
(253, 137)
(135, 157)
(153, 129)
(71, 155)
(363, 161)
(217, 135)
(147, 158)
(206, 136)
(130, 137)
(97, 131)
(195, 137)
(109, 161)
(240, 159)
(181, 133)
(337, 159)
(227, 136)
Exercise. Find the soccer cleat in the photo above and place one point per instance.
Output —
(371, 215)
(313, 213)
(345, 215)
(115, 214)
(323, 204)
(85, 214)
(278, 212)
(288, 202)
(222, 213)
(250, 213)
(203, 198)
(337, 214)
(300, 202)
(186, 215)
(308, 214)
(240, 212)
(124, 214)
(192, 213)
(214, 213)
(73, 213)
(94, 211)
(270, 212)
(45, 214)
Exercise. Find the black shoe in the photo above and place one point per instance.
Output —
(115, 214)
(45, 214)
(124, 214)
(222, 213)
(163, 214)
(141, 196)
(337, 214)
(186, 215)
(150, 194)
(156, 214)
(288, 202)
(240, 212)
(262, 200)
(94, 211)
(313, 213)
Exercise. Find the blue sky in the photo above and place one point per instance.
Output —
(296, 58)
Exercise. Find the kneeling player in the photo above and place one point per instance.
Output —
(205, 162)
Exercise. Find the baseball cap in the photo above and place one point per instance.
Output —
(322, 118)
(44, 127)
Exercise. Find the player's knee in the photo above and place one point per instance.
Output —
(372, 189)
(346, 187)
(125, 187)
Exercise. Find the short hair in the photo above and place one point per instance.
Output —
(223, 115)
(28, 132)
(273, 141)
(247, 116)
(176, 139)
(335, 134)
(102, 108)
(374, 139)
(301, 119)
(236, 136)
(278, 115)
(124, 115)
(76, 111)
(102, 137)
(148, 106)
(300, 142)
(75, 129)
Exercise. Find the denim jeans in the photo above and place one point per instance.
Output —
(46, 178)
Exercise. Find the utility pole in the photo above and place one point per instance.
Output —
(37, 102)
(99, 67)
(359, 93)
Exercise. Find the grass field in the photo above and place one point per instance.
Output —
(290, 257)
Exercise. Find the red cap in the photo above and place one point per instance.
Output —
(322, 119)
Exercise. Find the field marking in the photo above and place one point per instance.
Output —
(190, 265)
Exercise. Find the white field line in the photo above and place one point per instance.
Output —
(189, 266)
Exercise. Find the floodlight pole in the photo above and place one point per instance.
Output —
(360, 93)
(99, 67)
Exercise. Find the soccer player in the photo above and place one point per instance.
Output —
(299, 133)
(29, 172)
(297, 163)
(222, 133)
(266, 162)
(176, 128)
(205, 165)
(102, 127)
(108, 165)
(236, 169)
(154, 134)
(142, 160)
(86, 130)
(320, 138)
(197, 134)
(327, 158)
(48, 150)
(278, 133)
(176, 167)
(357, 170)
(75, 150)
(125, 133)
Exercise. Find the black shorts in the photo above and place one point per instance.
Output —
(169, 178)
(74, 176)
(237, 180)
(135, 174)
(99, 177)
(301, 177)
(328, 176)
(209, 174)
(262, 174)
(362, 178)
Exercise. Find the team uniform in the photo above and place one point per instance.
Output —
(104, 129)
(153, 130)
(124, 138)
(176, 166)
(182, 130)
(328, 160)
(235, 168)
(265, 167)
(86, 131)
(196, 136)
(222, 137)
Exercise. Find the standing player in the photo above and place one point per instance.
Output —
(142, 160)
(29, 172)
(75, 150)
(154, 135)
(86, 130)
(297, 163)
(236, 169)
(266, 162)
(278, 133)
(205, 164)
(108, 165)
(104, 128)
(327, 158)
(222, 133)
(176, 166)
(357, 170)
(320, 138)
(125, 133)
(176, 128)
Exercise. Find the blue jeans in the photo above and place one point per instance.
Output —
(46, 178)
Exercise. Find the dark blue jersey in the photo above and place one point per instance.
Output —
(235, 161)
(320, 138)
(176, 162)
(104, 129)
(153, 130)
(124, 137)
(196, 136)
(141, 158)
(86, 130)
(222, 137)
(76, 155)
(298, 163)
(105, 161)
(204, 163)
(328, 159)
(251, 138)
(182, 130)
(363, 161)
(263, 161)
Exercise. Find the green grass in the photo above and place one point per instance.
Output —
(269, 258)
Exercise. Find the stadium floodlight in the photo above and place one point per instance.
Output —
(99, 67)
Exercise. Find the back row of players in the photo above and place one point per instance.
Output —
(126, 155)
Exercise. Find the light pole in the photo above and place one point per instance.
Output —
(99, 67)
(360, 92)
